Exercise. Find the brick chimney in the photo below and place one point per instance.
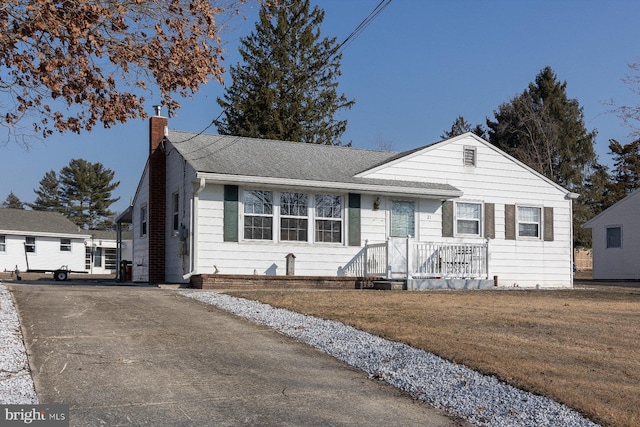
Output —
(157, 197)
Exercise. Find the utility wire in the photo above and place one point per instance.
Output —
(364, 24)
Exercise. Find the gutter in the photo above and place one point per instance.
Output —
(386, 189)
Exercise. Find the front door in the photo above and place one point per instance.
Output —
(402, 227)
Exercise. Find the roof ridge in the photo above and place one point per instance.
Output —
(279, 141)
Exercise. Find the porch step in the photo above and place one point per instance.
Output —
(390, 285)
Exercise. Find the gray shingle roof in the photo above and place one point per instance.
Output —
(37, 222)
(234, 155)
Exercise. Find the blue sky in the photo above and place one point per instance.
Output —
(412, 71)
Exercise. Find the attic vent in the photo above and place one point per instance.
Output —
(469, 156)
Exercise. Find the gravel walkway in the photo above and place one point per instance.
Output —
(482, 400)
(16, 385)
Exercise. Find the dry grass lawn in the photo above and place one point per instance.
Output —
(580, 347)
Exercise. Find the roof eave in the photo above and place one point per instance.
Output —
(44, 234)
(380, 189)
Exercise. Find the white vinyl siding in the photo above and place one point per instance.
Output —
(499, 180)
(622, 262)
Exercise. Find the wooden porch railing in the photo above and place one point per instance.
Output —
(423, 260)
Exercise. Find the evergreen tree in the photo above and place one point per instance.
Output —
(48, 194)
(595, 197)
(545, 129)
(85, 193)
(626, 171)
(461, 126)
(286, 89)
(81, 191)
(13, 202)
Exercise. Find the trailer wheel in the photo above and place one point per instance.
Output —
(60, 275)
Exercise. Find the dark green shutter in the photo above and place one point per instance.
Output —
(510, 222)
(354, 219)
(490, 220)
(230, 213)
(447, 218)
(548, 224)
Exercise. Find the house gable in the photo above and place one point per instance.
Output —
(631, 202)
(444, 162)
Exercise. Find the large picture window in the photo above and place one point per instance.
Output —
(403, 215)
(328, 223)
(294, 222)
(468, 218)
(258, 215)
(529, 222)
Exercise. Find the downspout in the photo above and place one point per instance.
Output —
(193, 227)
(571, 197)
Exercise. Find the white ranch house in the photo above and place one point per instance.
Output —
(616, 240)
(457, 213)
(44, 240)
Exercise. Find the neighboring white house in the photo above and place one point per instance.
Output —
(101, 251)
(456, 209)
(46, 240)
(616, 240)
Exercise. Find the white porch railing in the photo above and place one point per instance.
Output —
(407, 258)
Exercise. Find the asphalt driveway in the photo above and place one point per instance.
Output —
(147, 356)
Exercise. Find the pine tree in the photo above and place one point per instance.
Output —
(13, 202)
(85, 193)
(81, 191)
(286, 89)
(48, 194)
(545, 129)
(460, 126)
(626, 170)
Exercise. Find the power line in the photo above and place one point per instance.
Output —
(364, 24)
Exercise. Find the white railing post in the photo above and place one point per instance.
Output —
(365, 267)
(486, 259)
(408, 256)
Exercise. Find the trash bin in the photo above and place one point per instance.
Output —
(125, 271)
